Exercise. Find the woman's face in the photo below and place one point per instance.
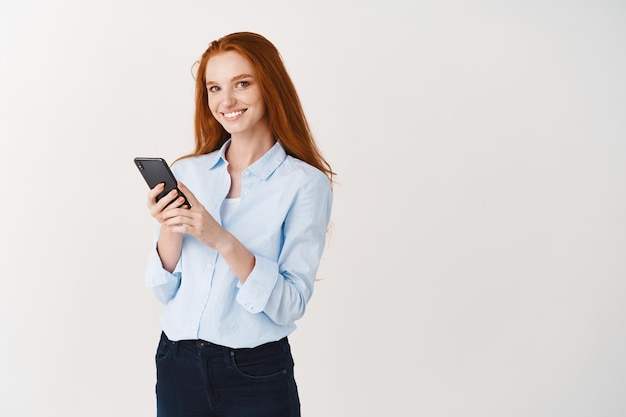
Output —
(235, 94)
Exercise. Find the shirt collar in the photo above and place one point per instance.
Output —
(263, 167)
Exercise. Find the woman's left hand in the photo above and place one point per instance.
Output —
(195, 221)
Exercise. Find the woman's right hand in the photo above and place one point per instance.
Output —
(158, 207)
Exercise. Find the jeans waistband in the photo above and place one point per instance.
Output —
(203, 344)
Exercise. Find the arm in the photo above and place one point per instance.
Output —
(198, 222)
(281, 289)
(162, 272)
(169, 244)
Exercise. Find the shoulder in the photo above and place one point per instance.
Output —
(302, 170)
(304, 176)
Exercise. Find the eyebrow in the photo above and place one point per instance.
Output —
(235, 78)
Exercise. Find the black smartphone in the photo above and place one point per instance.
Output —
(156, 171)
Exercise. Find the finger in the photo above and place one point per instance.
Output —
(180, 224)
(153, 193)
(179, 228)
(176, 214)
(192, 198)
(176, 203)
(175, 221)
(163, 203)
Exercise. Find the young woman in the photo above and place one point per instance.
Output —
(236, 270)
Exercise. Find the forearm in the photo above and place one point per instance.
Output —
(169, 248)
(240, 260)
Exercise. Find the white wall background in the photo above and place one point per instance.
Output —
(476, 265)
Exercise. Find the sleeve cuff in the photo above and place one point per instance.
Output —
(255, 292)
(155, 274)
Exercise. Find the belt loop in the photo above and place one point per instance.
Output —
(228, 352)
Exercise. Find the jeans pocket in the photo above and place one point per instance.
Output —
(262, 363)
(164, 348)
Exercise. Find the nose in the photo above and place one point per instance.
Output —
(228, 99)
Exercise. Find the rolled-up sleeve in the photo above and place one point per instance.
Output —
(164, 284)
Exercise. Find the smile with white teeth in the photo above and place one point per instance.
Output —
(233, 114)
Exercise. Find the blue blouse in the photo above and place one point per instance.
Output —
(282, 218)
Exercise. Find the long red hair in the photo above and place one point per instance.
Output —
(284, 111)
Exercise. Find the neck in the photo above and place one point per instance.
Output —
(243, 151)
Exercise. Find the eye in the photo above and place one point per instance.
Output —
(243, 84)
(213, 89)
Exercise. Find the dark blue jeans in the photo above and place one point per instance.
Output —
(199, 379)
